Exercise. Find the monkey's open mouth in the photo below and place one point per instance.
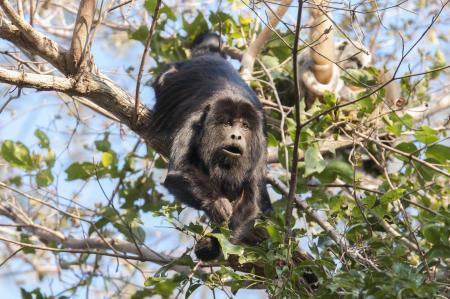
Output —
(232, 150)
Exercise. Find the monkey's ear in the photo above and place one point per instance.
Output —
(164, 76)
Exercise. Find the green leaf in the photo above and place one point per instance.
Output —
(51, 158)
(271, 63)
(358, 77)
(140, 34)
(99, 224)
(103, 145)
(150, 5)
(271, 140)
(427, 135)
(24, 238)
(438, 152)
(197, 27)
(194, 228)
(395, 128)
(168, 12)
(162, 286)
(80, 171)
(369, 201)
(192, 289)
(245, 20)
(329, 98)
(160, 163)
(392, 195)
(439, 251)
(274, 232)
(43, 138)
(227, 247)
(17, 154)
(138, 233)
(314, 162)
(334, 169)
(16, 180)
(406, 147)
(44, 178)
(107, 159)
(432, 232)
(129, 163)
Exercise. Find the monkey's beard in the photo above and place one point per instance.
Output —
(230, 172)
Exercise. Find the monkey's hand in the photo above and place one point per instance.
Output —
(220, 210)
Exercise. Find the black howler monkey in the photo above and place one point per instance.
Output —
(214, 124)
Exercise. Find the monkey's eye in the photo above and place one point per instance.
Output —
(227, 124)
(245, 126)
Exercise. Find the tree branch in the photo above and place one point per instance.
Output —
(294, 166)
(100, 91)
(410, 156)
(88, 245)
(97, 88)
(425, 111)
(144, 56)
(79, 47)
(341, 241)
(249, 57)
(25, 37)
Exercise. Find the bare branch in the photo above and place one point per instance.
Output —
(144, 56)
(321, 35)
(80, 40)
(294, 167)
(25, 37)
(99, 90)
(249, 57)
(341, 241)
(37, 81)
(410, 156)
(424, 111)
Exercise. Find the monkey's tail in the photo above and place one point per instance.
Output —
(207, 44)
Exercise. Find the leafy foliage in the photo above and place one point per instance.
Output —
(395, 178)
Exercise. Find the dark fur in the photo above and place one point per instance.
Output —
(194, 101)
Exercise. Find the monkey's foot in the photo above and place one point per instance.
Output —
(207, 249)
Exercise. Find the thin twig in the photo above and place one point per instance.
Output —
(144, 57)
(294, 167)
(11, 256)
(407, 155)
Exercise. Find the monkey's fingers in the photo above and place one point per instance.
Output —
(220, 211)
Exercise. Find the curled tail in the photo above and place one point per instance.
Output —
(207, 44)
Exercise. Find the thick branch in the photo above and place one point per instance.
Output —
(99, 90)
(25, 37)
(80, 39)
(322, 49)
(249, 57)
(425, 111)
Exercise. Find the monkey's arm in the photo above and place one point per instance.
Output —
(245, 211)
(188, 182)
(193, 188)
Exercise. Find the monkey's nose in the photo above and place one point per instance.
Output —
(235, 137)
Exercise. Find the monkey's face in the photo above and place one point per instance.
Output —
(228, 134)
(234, 135)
